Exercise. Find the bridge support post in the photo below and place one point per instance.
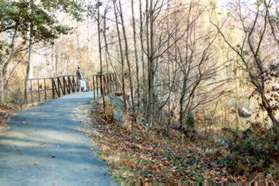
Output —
(45, 89)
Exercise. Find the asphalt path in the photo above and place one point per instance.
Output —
(47, 146)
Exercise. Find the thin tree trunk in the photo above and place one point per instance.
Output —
(108, 58)
(142, 56)
(28, 64)
(127, 56)
(29, 56)
(5, 66)
(181, 101)
(151, 103)
(169, 68)
(136, 52)
(269, 110)
(100, 55)
(105, 40)
(7, 78)
(121, 55)
(148, 101)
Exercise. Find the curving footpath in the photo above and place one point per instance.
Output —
(45, 146)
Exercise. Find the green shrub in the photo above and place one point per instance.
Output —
(252, 154)
(190, 121)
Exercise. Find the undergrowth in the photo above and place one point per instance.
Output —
(135, 153)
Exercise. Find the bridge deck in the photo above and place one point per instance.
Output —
(45, 146)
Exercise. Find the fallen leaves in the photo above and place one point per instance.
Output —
(139, 154)
(5, 113)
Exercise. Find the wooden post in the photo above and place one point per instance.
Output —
(45, 89)
(69, 82)
(98, 79)
(31, 89)
(77, 84)
(53, 87)
(39, 91)
(94, 90)
(88, 85)
(105, 84)
(102, 84)
(61, 86)
(74, 84)
(66, 85)
(26, 92)
(56, 89)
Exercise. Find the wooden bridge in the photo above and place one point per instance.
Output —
(43, 89)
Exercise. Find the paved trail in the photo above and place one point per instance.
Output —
(45, 146)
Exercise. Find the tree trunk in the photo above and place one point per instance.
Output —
(127, 56)
(29, 56)
(151, 71)
(100, 55)
(142, 57)
(269, 110)
(169, 68)
(4, 78)
(181, 102)
(121, 55)
(148, 100)
(105, 40)
(136, 51)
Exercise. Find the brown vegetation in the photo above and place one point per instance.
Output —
(198, 81)
(135, 153)
(5, 113)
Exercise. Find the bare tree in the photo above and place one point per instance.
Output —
(176, 58)
(100, 52)
(255, 30)
(6, 63)
(131, 84)
(136, 51)
(30, 46)
(121, 53)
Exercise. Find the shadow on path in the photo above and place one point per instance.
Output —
(45, 146)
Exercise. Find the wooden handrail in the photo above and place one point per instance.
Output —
(43, 89)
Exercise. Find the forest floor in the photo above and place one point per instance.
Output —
(135, 153)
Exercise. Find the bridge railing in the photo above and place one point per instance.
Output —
(44, 89)
(109, 84)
